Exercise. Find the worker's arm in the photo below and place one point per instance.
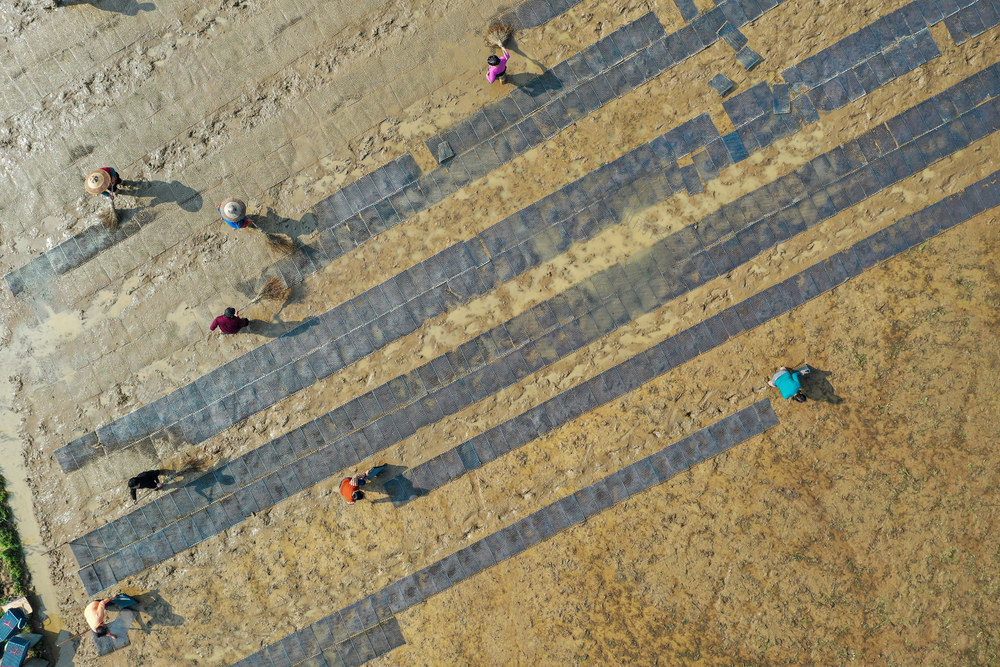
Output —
(215, 323)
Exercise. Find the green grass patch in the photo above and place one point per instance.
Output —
(11, 552)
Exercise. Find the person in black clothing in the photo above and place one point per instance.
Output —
(149, 479)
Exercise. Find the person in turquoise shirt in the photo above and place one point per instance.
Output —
(789, 383)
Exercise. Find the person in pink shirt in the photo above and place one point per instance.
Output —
(498, 67)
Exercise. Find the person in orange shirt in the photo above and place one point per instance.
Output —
(350, 487)
(94, 613)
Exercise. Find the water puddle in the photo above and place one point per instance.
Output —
(35, 553)
(27, 350)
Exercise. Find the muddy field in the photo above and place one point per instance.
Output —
(862, 528)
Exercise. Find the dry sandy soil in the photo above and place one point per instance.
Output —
(860, 529)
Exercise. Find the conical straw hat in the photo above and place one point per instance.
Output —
(233, 210)
(97, 182)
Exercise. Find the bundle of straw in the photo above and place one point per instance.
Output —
(497, 34)
(109, 217)
(280, 242)
(273, 289)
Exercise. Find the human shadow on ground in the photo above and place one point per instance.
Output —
(187, 198)
(817, 387)
(126, 7)
(182, 477)
(388, 472)
(159, 611)
(397, 487)
(278, 329)
(513, 47)
(163, 192)
(520, 80)
(535, 85)
(274, 222)
(210, 479)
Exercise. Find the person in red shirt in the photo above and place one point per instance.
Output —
(350, 487)
(228, 322)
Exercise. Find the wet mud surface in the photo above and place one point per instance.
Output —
(859, 529)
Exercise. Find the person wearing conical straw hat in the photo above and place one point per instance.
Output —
(103, 181)
(234, 213)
